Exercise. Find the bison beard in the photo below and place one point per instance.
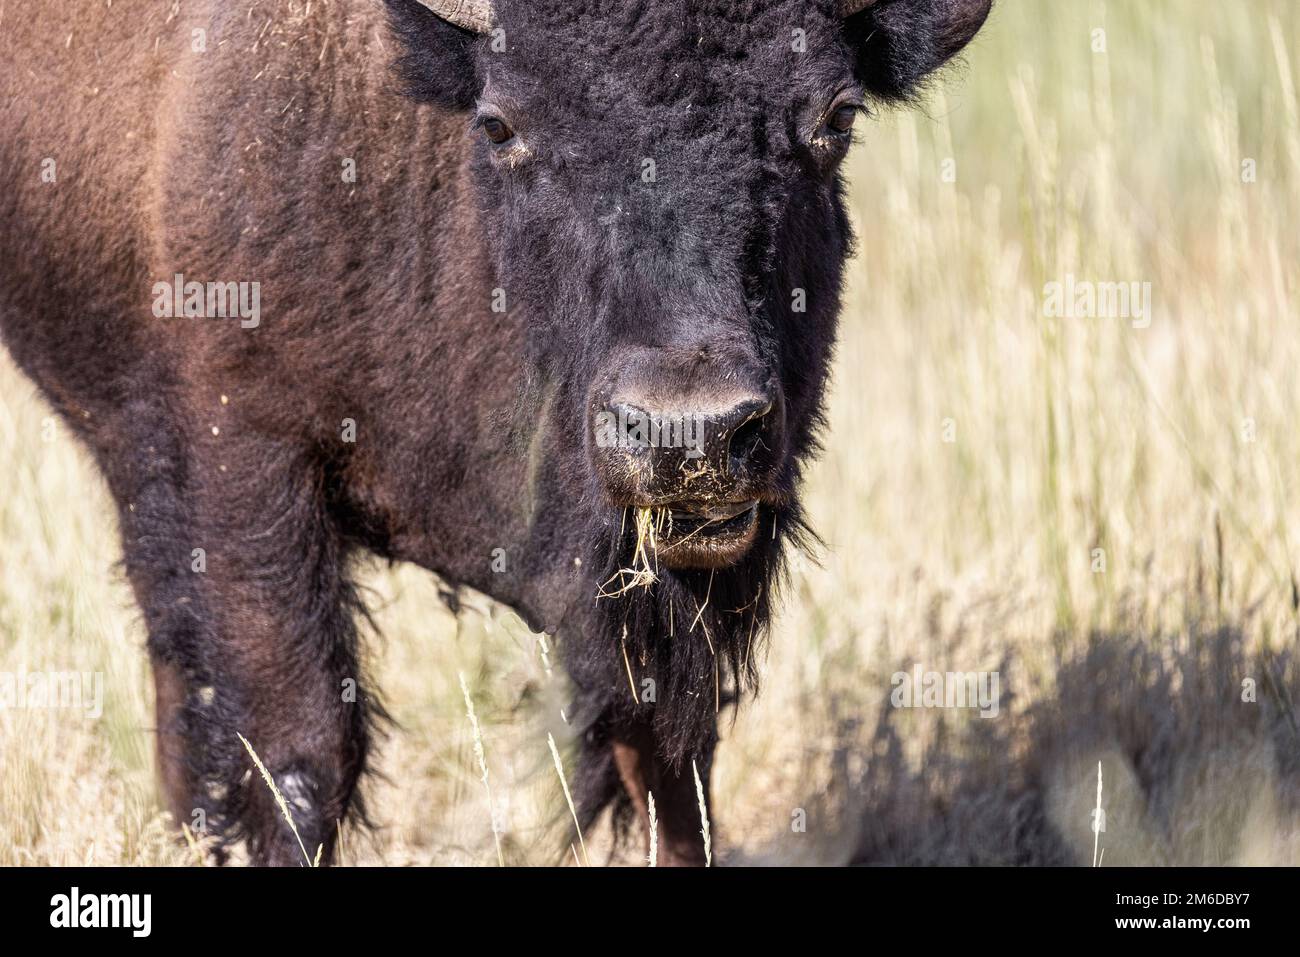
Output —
(697, 635)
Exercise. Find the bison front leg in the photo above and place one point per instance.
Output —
(630, 751)
(251, 630)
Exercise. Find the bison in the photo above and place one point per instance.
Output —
(539, 295)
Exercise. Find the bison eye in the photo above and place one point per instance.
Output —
(496, 130)
(841, 121)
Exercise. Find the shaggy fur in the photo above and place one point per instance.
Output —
(381, 294)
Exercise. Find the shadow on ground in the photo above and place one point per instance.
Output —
(1196, 736)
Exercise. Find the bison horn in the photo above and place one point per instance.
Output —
(472, 15)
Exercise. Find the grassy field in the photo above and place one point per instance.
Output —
(1100, 510)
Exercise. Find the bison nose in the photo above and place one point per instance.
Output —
(649, 453)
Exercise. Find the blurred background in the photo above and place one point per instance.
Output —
(1098, 510)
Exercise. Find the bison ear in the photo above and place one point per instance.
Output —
(899, 43)
(437, 63)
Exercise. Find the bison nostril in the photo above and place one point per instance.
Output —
(749, 436)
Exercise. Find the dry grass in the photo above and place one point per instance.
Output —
(647, 528)
(980, 455)
(280, 802)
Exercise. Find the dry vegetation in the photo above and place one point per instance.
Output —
(1172, 448)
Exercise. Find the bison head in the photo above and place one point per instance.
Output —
(659, 186)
